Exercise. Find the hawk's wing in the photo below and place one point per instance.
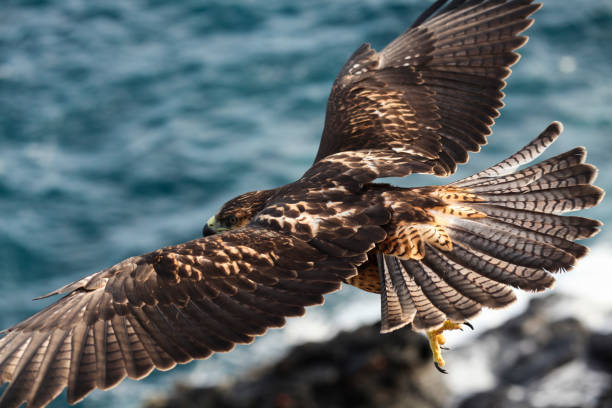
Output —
(185, 302)
(433, 91)
(174, 305)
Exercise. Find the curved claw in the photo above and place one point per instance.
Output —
(444, 348)
(440, 369)
(468, 324)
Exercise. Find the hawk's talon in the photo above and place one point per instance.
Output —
(440, 369)
(437, 340)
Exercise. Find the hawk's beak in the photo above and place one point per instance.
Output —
(206, 231)
(209, 227)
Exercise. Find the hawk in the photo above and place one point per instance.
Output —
(437, 255)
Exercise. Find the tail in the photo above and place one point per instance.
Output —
(505, 229)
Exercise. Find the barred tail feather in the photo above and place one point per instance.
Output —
(504, 272)
(443, 296)
(397, 306)
(508, 234)
(561, 167)
(529, 152)
(567, 227)
(478, 287)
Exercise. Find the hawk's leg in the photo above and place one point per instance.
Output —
(437, 340)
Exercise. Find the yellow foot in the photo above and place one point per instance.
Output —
(437, 340)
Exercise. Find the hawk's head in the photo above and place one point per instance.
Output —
(237, 212)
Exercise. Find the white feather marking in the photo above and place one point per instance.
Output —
(405, 150)
(346, 213)
(340, 188)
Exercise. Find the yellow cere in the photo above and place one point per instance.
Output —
(212, 224)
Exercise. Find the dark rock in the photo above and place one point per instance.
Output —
(600, 351)
(553, 345)
(361, 368)
(605, 400)
(533, 344)
(500, 397)
(541, 360)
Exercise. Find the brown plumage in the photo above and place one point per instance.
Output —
(434, 90)
(433, 253)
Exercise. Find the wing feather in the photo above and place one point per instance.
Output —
(447, 299)
(56, 363)
(435, 90)
(178, 303)
(476, 286)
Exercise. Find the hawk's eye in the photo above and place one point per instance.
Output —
(232, 220)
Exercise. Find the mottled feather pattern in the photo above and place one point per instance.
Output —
(164, 308)
(352, 170)
(434, 90)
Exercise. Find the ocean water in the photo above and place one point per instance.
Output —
(125, 125)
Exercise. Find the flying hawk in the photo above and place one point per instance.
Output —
(437, 255)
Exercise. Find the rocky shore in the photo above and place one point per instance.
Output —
(541, 358)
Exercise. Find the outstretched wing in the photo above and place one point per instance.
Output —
(435, 90)
(167, 307)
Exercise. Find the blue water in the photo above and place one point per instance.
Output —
(124, 126)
